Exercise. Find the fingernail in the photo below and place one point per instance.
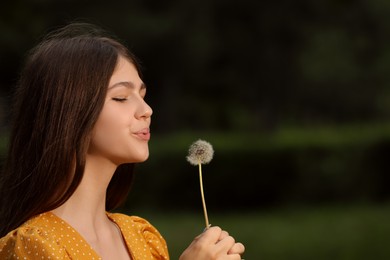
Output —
(204, 230)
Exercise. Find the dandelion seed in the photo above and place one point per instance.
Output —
(200, 152)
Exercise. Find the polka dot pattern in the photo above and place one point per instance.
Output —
(49, 237)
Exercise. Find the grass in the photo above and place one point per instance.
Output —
(321, 233)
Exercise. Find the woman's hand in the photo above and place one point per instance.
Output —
(213, 244)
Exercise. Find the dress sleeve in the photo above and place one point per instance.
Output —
(156, 243)
(30, 243)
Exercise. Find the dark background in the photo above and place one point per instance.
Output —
(294, 95)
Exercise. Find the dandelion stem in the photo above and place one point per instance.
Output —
(202, 194)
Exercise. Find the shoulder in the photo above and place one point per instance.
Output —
(135, 224)
(137, 229)
(33, 239)
(126, 220)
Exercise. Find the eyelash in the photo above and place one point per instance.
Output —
(119, 99)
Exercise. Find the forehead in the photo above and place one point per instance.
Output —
(125, 71)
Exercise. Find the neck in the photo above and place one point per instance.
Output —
(87, 205)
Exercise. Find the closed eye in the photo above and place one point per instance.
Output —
(119, 99)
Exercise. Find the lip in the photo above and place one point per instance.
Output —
(143, 134)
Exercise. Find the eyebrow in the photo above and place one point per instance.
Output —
(127, 84)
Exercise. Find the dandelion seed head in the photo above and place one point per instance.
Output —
(200, 152)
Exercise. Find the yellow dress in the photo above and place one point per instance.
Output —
(47, 236)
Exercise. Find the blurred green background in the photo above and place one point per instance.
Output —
(293, 95)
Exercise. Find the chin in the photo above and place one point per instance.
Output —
(133, 159)
(139, 161)
(141, 158)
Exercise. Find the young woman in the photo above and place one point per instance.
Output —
(80, 123)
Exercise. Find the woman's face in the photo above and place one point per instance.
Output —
(121, 133)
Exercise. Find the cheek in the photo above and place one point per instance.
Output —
(108, 138)
(112, 116)
(112, 126)
(102, 137)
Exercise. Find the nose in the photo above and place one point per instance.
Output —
(144, 110)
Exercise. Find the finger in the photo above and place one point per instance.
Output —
(233, 257)
(211, 235)
(237, 248)
(223, 246)
(223, 235)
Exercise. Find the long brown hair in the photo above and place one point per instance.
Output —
(59, 97)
